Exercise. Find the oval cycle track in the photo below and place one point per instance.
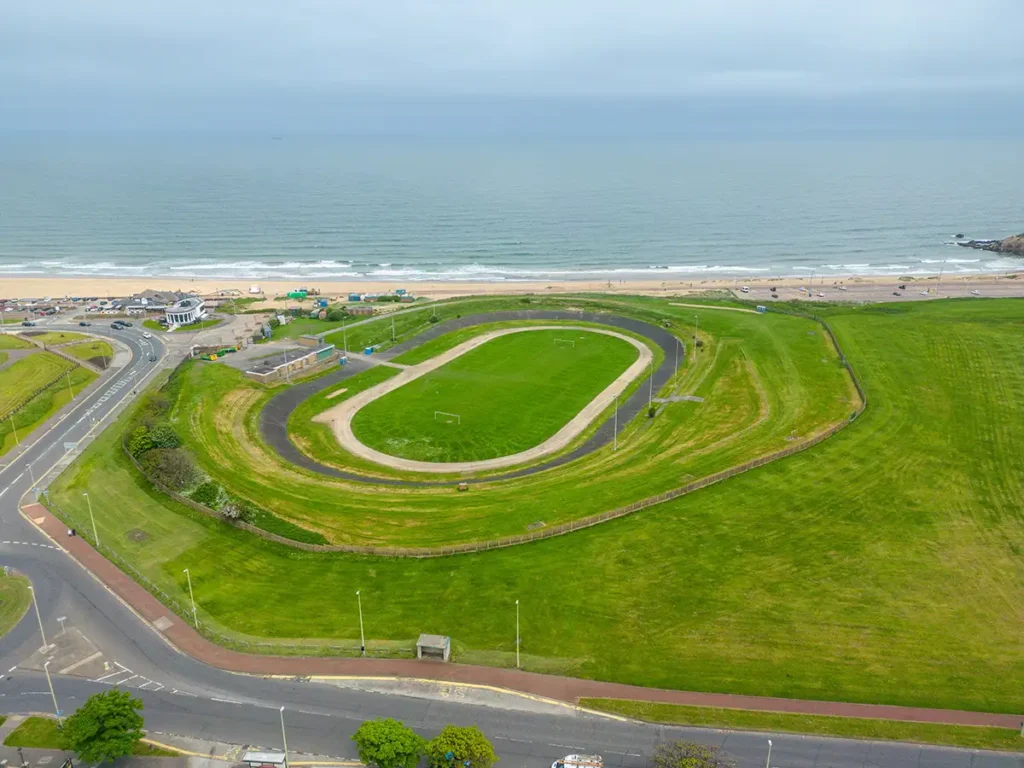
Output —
(275, 415)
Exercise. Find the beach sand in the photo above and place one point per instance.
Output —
(859, 288)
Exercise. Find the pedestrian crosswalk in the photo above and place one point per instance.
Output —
(123, 677)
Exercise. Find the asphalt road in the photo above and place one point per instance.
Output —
(189, 698)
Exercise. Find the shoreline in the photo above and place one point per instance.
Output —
(1006, 283)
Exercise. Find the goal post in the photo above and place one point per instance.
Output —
(447, 418)
(565, 342)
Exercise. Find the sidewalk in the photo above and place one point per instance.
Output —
(194, 753)
(182, 636)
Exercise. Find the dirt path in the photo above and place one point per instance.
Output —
(340, 416)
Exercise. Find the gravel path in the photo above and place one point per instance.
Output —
(340, 416)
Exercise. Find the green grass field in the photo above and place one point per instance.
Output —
(11, 341)
(89, 350)
(23, 377)
(509, 394)
(968, 737)
(37, 732)
(883, 565)
(42, 406)
(153, 325)
(14, 601)
(58, 337)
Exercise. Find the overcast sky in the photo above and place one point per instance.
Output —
(458, 65)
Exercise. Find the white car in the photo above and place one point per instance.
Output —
(147, 335)
(975, 293)
(745, 289)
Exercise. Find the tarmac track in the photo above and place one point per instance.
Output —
(275, 415)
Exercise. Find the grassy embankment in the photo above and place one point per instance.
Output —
(969, 737)
(882, 565)
(509, 394)
(58, 337)
(21, 378)
(41, 733)
(99, 353)
(12, 341)
(14, 601)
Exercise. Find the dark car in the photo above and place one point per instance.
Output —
(116, 326)
(84, 324)
(152, 358)
(28, 323)
(896, 293)
(126, 323)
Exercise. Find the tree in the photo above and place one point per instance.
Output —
(336, 315)
(106, 727)
(164, 436)
(388, 743)
(140, 441)
(689, 754)
(459, 746)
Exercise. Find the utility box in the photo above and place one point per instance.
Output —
(761, 308)
(354, 297)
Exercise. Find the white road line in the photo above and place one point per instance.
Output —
(112, 674)
(15, 666)
(4, 491)
(126, 679)
(227, 701)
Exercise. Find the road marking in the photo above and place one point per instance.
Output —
(15, 666)
(121, 671)
(78, 664)
(4, 491)
(229, 701)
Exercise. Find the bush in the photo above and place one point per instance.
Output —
(163, 436)
(171, 467)
(435, 319)
(652, 411)
(273, 323)
(336, 315)
(461, 745)
(688, 754)
(139, 442)
(388, 743)
(238, 510)
(207, 494)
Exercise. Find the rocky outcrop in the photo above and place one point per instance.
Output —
(1013, 245)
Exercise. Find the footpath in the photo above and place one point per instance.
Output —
(192, 753)
(182, 636)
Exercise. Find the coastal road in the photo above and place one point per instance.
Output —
(186, 697)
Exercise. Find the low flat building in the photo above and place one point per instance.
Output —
(189, 310)
(297, 361)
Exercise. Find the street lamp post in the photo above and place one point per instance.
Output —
(56, 709)
(39, 616)
(696, 327)
(517, 634)
(768, 762)
(650, 392)
(70, 390)
(615, 439)
(344, 336)
(676, 374)
(95, 535)
(284, 739)
(31, 474)
(15, 430)
(192, 597)
(362, 635)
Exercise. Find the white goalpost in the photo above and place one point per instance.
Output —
(448, 418)
(565, 342)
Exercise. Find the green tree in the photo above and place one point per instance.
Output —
(458, 746)
(106, 727)
(388, 743)
(336, 315)
(140, 441)
(164, 436)
(688, 754)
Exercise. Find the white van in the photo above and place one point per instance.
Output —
(579, 761)
(147, 335)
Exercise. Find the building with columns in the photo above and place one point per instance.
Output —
(191, 309)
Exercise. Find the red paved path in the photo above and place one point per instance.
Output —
(186, 639)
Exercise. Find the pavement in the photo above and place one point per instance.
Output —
(231, 698)
(340, 416)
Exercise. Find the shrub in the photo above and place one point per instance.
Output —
(388, 743)
(162, 435)
(139, 442)
(336, 315)
(461, 745)
(688, 754)
(171, 467)
(207, 494)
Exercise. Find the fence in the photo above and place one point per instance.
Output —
(28, 399)
(558, 530)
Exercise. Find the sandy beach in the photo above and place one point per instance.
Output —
(858, 288)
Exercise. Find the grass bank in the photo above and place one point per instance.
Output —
(41, 733)
(42, 406)
(14, 601)
(970, 737)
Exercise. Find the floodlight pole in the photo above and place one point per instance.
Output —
(14, 429)
(95, 535)
(676, 374)
(362, 634)
(31, 474)
(70, 390)
(696, 324)
(517, 634)
(344, 336)
(392, 326)
(650, 392)
(192, 597)
(39, 616)
(767, 763)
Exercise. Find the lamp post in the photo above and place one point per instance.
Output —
(344, 336)
(56, 709)
(70, 390)
(15, 430)
(615, 439)
(517, 634)
(676, 374)
(650, 378)
(696, 324)
(95, 535)
(192, 597)
(362, 635)
(768, 762)
(39, 616)
(284, 739)
(31, 474)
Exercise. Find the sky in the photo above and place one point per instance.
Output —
(720, 67)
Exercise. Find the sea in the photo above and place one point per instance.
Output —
(308, 209)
